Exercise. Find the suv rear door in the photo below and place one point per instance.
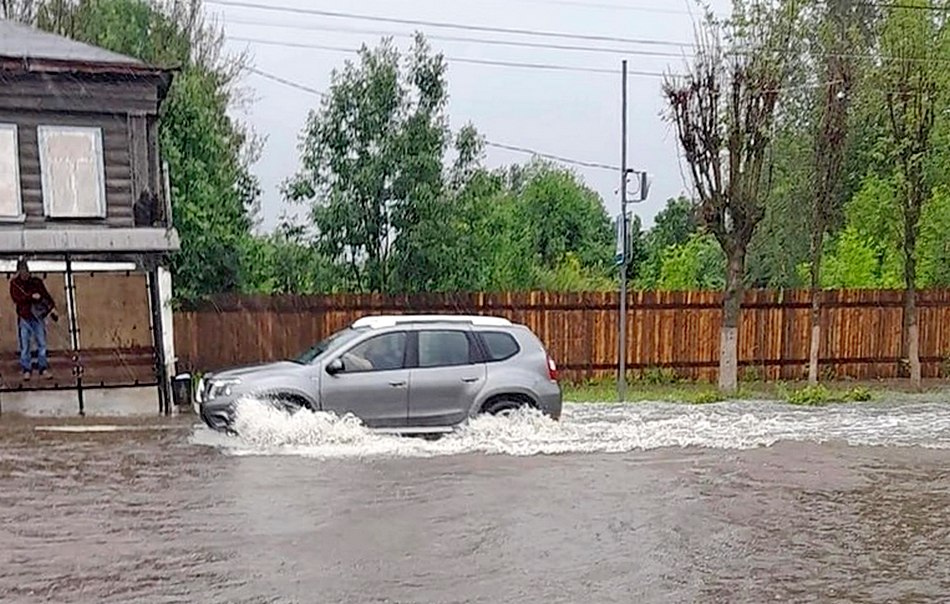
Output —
(374, 384)
(446, 376)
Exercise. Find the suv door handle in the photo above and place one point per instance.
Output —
(470, 380)
(397, 384)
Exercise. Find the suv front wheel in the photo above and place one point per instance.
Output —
(287, 403)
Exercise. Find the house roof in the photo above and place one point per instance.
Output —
(22, 42)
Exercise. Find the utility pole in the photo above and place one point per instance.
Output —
(624, 247)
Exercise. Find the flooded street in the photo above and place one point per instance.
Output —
(740, 502)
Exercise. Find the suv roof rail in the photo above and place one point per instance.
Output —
(378, 321)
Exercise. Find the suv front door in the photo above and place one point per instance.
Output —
(446, 376)
(374, 382)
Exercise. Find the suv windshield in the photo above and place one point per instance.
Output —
(334, 341)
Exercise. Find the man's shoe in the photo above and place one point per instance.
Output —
(46, 375)
(26, 376)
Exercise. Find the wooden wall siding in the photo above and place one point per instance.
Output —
(861, 335)
(116, 158)
(70, 93)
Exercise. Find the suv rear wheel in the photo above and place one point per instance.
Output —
(504, 405)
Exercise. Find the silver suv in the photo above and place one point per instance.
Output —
(407, 374)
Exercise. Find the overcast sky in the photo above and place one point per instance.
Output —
(564, 113)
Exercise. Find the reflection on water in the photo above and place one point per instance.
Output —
(726, 503)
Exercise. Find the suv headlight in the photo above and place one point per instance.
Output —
(222, 388)
(200, 391)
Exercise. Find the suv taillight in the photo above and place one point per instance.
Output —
(552, 369)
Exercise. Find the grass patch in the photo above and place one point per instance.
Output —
(706, 398)
(660, 390)
(811, 395)
(605, 391)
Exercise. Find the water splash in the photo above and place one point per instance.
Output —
(599, 428)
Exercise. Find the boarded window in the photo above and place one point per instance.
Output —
(73, 173)
(10, 201)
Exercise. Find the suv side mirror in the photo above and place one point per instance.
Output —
(335, 366)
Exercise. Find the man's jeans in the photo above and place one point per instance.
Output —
(30, 329)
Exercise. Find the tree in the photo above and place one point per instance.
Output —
(838, 70)
(723, 110)
(780, 241)
(566, 217)
(524, 227)
(372, 166)
(912, 78)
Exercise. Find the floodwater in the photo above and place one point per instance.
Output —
(738, 502)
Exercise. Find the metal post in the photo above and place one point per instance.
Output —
(73, 318)
(158, 341)
(622, 348)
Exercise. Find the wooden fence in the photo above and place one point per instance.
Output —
(861, 335)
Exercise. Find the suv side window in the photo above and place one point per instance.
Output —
(445, 349)
(385, 352)
(501, 346)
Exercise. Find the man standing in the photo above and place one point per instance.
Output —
(33, 305)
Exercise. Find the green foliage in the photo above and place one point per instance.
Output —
(210, 206)
(858, 394)
(571, 275)
(567, 217)
(866, 253)
(706, 397)
(372, 158)
(287, 262)
(933, 248)
(809, 396)
(815, 395)
(859, 262)
(751, 374)
(672, 226)
(694, 265)
(781, 241)
(658, 376)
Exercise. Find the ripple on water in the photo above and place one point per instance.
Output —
(593, 428)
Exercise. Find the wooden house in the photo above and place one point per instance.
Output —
(84, 197)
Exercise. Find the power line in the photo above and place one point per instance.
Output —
(488, 143)
(281, 80)
(488, 62)
(489, 42)
(566, 160)
(539, 45)
(445, 25)
(604, 6)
